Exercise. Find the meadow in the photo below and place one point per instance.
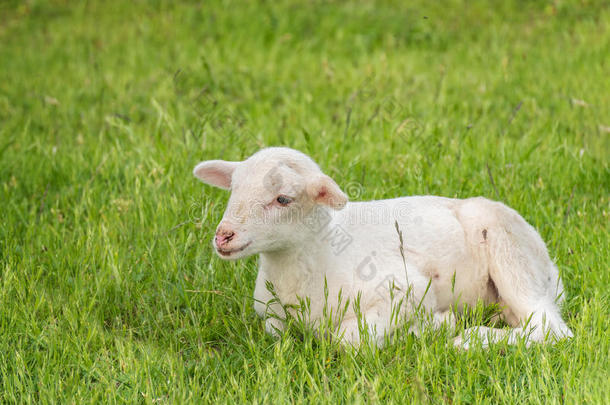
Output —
(109, 288)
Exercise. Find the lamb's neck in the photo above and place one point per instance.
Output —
(295, 262)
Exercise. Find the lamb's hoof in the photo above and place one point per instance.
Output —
(273, 327)
(461, 343)
(471, 338)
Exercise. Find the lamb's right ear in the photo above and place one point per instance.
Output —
(216, 172)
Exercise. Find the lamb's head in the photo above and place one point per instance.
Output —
(276, 196)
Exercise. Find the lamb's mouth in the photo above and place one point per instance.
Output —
(229, 252)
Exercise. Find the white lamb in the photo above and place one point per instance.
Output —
(315, 245)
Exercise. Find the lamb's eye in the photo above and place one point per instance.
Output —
(283, 200)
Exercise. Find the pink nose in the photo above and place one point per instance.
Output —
(224, 236)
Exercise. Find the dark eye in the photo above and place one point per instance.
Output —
(283, 200)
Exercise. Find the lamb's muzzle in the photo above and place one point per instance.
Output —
(223, 236)
(315, 244)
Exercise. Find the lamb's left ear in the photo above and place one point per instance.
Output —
(216, 172)
(323, 190)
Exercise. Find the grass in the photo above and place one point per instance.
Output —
(109, 291)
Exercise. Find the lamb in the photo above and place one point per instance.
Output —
(426, 252)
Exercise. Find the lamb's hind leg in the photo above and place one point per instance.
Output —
(536, 322)
(527, 282)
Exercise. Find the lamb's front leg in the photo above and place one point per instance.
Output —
(266, 308)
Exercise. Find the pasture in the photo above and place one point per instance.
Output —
(109, 287)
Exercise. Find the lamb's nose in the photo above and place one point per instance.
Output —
(224, 236)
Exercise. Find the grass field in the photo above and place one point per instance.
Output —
(109, 289)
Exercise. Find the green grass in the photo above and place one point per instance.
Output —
(109, 289)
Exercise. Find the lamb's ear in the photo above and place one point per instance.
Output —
(323, 190)
(216, 172)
